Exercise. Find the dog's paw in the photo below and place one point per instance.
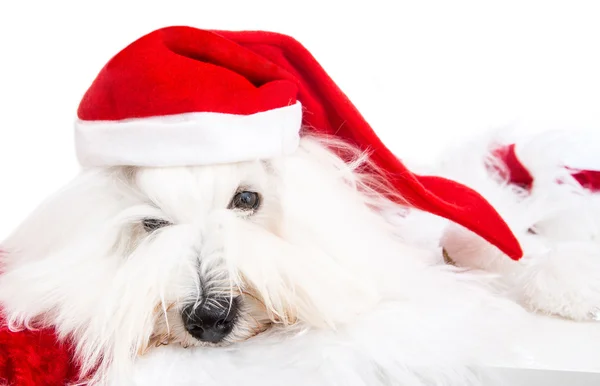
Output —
(564, 282)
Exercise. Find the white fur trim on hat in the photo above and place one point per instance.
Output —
(189, 139)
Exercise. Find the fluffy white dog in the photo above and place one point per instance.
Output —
(208, 240)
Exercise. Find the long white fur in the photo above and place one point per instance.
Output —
(372, 304)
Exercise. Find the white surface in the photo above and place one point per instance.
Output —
(560, 353)
(424, 74)
(528, 377)
(558, 344)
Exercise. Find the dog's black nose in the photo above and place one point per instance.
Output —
(212, 320)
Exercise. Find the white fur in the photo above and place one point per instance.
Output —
(353, 297)
(560, 271)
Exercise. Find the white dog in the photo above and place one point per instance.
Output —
(291, 260)
(125, 259)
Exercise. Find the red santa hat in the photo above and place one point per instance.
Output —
(186, 96)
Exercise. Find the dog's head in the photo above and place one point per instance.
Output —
(127, 258)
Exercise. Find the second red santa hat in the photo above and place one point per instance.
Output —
(184, 96)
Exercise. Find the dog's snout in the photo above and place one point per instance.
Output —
(212, 320)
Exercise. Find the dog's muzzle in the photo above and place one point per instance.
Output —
(212, 320)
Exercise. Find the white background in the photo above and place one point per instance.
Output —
(423, 73)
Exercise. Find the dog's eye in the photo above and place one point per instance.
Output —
(245, 201)
(152, 224)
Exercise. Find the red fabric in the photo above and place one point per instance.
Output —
(519, 175)
(34, 358)
(589, 179)
(182, 69)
